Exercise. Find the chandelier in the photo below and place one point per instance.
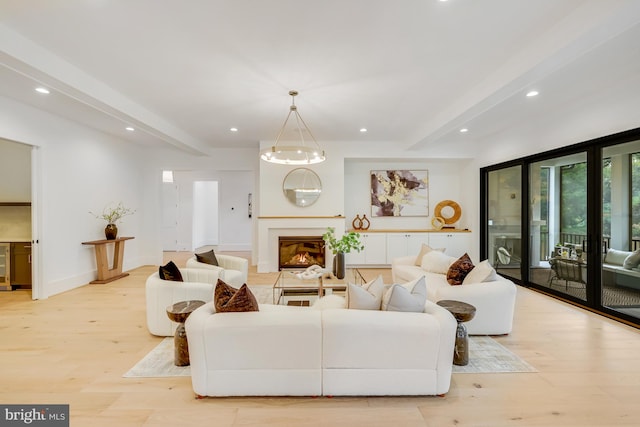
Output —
(304, 152)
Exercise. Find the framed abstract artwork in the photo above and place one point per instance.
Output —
(399, 193)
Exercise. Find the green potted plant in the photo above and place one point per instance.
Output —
(113, 214)
(339, 246)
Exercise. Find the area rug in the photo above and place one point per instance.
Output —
(486, 356)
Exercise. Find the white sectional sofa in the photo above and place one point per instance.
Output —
(300, 351)
(198, 284)
(233, 270)
(494, 300)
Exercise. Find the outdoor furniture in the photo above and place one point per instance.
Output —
(569, 270)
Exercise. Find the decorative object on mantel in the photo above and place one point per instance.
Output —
(437, 222)
(348, 242)
(399, 192)
(361, 223)
(451, 215)
(113, 214)
(302, 153)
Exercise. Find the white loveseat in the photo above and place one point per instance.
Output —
(300, 351)
(233, 270)
(198, 284)
(494, 300)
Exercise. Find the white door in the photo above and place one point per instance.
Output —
(169, 216)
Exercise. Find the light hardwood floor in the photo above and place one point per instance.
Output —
(74, 348)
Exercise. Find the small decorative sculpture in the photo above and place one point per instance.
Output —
(357, 223)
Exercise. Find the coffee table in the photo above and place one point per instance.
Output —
(288, 285)
(463, 312)
(179, 312)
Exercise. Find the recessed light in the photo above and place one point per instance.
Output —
(129, 128)
(234, 129)
(464, 130)
(363, 130)
(532, 93)
(42, 90)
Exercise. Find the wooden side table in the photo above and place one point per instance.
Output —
(463, 312)
(106, 274)
(179, 312)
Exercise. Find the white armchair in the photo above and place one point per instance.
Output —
(198, 284)
(233, 270)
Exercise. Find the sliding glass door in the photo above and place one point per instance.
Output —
(504, 223)
(567, 222)
(620, 290)
(558, 224)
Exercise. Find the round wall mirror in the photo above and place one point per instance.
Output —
(302, 187)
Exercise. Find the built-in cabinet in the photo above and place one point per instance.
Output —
(5, 267)
(381, 247)
(21, 265)
(374, 253)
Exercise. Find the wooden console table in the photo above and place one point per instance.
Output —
(106, 274)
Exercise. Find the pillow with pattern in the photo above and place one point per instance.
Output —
(170, 272)
(229, 299)
(459, 270)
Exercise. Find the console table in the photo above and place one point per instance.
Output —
(106, 274)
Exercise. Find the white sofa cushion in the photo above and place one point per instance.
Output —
(410, 296)
(632, 260)
(425, 249)
(483, 272)
(367, 296)
(437, 262)
(615, 256)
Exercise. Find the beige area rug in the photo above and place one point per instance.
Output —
(486, 356)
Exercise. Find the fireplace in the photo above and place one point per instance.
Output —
(300, 252)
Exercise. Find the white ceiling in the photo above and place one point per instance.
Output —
(413, 72)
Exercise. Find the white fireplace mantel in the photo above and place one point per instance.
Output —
(270, 228)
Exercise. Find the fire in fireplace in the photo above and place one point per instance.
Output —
(300, 251)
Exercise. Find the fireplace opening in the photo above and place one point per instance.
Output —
(300, 252)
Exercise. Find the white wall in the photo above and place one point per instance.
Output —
(82, 171)
(205, 213)
(234, 224)
(15, 172)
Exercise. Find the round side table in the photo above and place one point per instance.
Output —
(463, 312)
(179, 312)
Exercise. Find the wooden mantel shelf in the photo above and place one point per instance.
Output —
(106, 274)
(302, 217)
(416, 230)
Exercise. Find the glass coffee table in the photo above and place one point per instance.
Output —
(292, 290)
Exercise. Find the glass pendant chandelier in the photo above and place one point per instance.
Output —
(302, 152)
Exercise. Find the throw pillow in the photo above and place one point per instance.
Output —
(437, 262)
(207, 258)
(367, 296)
(425, 249)
(408, 297)
(483, 272)
(632, 260)
(459, 270)
(170, 272)
(329, 301)
(230, 299)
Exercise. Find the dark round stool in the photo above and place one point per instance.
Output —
(179, 312)
(463, 312)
